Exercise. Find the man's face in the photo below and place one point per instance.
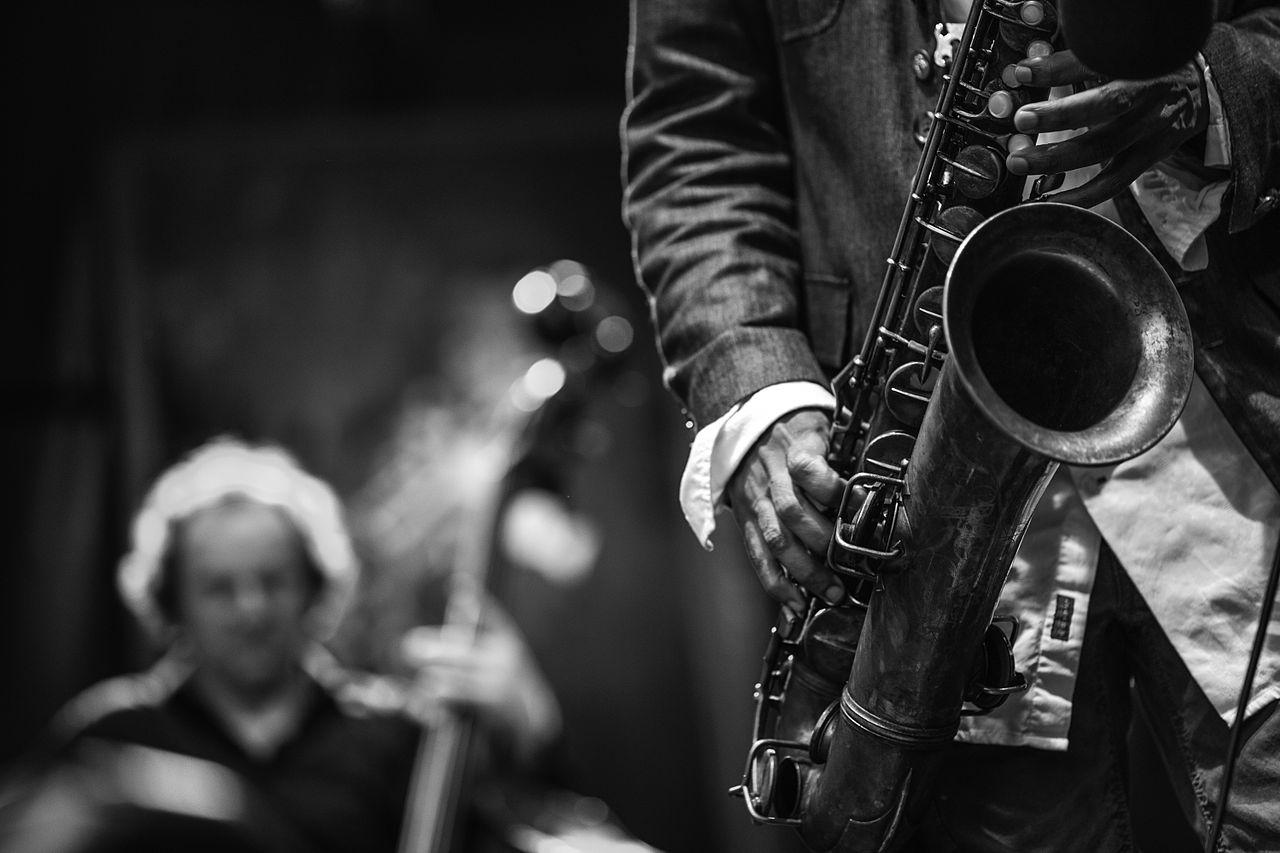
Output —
(242, 594)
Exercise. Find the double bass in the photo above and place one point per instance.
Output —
(533, 450)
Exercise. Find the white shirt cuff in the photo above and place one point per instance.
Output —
(720, 446)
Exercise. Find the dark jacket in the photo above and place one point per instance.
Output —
(768, 151)
(338, 783)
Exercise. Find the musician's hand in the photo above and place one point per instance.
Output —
(777, 495)
(1130, 124)
(493, 675)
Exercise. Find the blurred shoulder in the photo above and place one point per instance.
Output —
(111, 703)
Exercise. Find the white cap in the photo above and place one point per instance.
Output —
(226, 468)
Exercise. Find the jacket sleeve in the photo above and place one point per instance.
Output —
(709, 201)
(1244, 54)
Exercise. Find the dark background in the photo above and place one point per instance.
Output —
(300, 222)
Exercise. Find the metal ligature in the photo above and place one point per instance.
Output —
(1008, 336)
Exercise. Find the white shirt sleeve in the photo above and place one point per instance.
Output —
(720, 446)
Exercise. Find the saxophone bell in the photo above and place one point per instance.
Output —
(1067, 332)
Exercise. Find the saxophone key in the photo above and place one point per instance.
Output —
(1034, 13)
(1016, 39)
(1035, 21)
(1046, 184)
(1039, 48)
(993, 676)
(907, 392)
(1018, 142)
(992, 109)
(979, 169)
(950, 227)
(1003, 103)
(928, 311)
(888, 452)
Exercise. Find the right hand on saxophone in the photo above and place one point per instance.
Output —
(778, 495)
(1129, 125)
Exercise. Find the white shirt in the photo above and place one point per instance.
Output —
(1194, 520)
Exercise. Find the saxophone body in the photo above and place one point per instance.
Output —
(1008, 337)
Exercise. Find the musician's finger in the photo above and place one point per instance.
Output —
(1060, 68)
(1094, 146)
(820, 522)
(1113, 178)
(816, 478)
(791, 553)
(1084, 109)
(768, 570)
(421, 644)
(797, 514)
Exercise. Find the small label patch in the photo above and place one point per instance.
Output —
(1061, 629)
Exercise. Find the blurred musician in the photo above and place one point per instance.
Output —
(246, 734)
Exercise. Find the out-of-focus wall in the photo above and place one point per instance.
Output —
(315, 285)
(300, 222)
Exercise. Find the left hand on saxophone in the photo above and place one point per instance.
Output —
(1128, 125)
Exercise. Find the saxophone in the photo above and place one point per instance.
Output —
(1008, 337)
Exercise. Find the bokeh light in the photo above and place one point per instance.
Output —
(544, 378)
(576, 291)
(614, 334)
(564, 268)
(534, 291)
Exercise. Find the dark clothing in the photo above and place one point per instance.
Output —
(338, 784)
